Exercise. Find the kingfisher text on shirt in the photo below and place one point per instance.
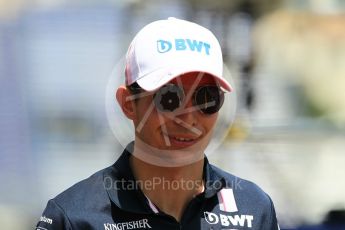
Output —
(142, 224)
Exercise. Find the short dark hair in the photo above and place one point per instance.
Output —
(134, 88)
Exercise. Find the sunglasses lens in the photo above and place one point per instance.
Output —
(209, 99)
(168, 98)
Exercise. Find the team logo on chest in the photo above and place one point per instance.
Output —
(227, 204)
(229, 220)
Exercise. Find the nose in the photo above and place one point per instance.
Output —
(188, 113)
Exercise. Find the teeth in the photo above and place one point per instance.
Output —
(183, 139)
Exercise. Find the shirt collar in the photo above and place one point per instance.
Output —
(120, 185)
(214, 182)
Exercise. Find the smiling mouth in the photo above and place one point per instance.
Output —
(180, 140)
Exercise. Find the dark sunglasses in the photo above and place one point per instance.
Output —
(207, 98)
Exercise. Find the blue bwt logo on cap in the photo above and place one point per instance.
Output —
(180, 44)
(163, 46)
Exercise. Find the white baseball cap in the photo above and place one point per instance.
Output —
(166, 49)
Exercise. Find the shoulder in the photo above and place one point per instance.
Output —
(83, 200)
(244, 190)
(86, 193)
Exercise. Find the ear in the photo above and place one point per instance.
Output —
(127, 106)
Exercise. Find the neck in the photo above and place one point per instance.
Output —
(180, 184)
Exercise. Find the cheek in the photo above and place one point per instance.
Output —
(209, 121)
(146, 118)
(141, 108)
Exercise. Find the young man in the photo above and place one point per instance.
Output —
(173, 92)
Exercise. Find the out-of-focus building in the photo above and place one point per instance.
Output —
(307, 51)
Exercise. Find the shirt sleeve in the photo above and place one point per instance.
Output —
(273, 225)
(53, 218)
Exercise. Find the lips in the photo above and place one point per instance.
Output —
(181, 141)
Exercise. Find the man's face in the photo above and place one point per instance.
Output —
(179, 129)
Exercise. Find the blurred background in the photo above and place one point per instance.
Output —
(287, 59)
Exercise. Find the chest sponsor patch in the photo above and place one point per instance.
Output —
(229, 220)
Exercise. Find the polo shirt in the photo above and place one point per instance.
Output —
(111, 199)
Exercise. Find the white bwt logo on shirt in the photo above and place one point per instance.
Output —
(227, 203)
(229, 220)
